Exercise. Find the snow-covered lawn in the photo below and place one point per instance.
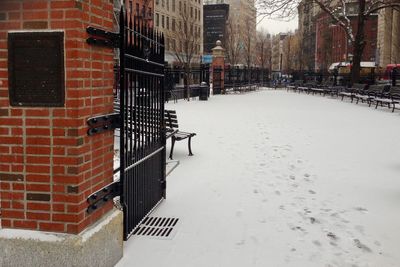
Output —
(280, 179)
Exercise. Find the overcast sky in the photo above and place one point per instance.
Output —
(274, 27)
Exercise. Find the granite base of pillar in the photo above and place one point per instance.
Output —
(99, 245)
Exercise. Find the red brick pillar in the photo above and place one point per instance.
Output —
(48, 164)
(218, 68)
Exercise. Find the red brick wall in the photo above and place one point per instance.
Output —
(49, 166)
(339, 48)
(219, 62)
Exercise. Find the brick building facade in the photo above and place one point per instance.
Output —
(332, 44)
(49, 166)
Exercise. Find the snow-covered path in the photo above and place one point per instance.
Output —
(280, 179)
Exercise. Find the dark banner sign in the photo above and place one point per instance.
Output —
(36, 69)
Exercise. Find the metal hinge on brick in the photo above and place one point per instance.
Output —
(103, 123)
(102, 37)
(101, 197)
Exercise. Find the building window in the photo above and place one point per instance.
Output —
(167, 23)
(157, 20)
(163, 3)
(173, 24)
(173, 5)
(162, 21)
(167, 5)
(180, 6)
(150, 13)
(191, 12)
(130, 7)
(137, 9)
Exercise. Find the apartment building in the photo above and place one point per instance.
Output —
(242, 14)
(388, 46)
(307, 11)
(181, 21)
(215, 19)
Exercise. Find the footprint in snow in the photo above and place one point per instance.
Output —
(241, 242)
(298, 228)
(278, 193)
(292, 177)
(361, 209)
(312, 192)
(332, 236)
(361, 246)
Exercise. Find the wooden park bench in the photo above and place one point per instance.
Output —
(352, 91)
(368, 95)
(391, 99)
(172, 131)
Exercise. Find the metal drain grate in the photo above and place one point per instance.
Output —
(158, 227)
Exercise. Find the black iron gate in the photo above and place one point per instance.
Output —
(140, 118)
(142, 136)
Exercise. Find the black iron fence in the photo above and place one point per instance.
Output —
(233, 77)
(180, 84)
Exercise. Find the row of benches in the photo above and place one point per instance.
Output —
(380, 95)
(241, 88)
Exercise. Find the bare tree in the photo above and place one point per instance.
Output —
(291, 50)
(232, 45)
(338, 12)
(248, 43)
(186, 44)
(263, 48)
(263, 51)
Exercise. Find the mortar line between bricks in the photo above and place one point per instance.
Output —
(25, 162)
(51, 164)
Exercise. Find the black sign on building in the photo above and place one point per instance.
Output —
(214, 18)
(36, 68)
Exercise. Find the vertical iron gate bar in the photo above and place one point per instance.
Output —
(142, 138)
(122, 117)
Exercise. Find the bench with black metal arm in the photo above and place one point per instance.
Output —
(391, 101)
(171, 124)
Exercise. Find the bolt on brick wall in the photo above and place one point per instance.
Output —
(48, 164)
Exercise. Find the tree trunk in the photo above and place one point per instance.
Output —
(359, 44)
(186, 81)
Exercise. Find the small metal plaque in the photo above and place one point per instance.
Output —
(36, 69)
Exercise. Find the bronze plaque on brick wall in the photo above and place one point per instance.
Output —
(36, 69)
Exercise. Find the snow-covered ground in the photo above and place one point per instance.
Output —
(280, 179)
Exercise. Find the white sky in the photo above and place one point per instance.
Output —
(274, 26)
